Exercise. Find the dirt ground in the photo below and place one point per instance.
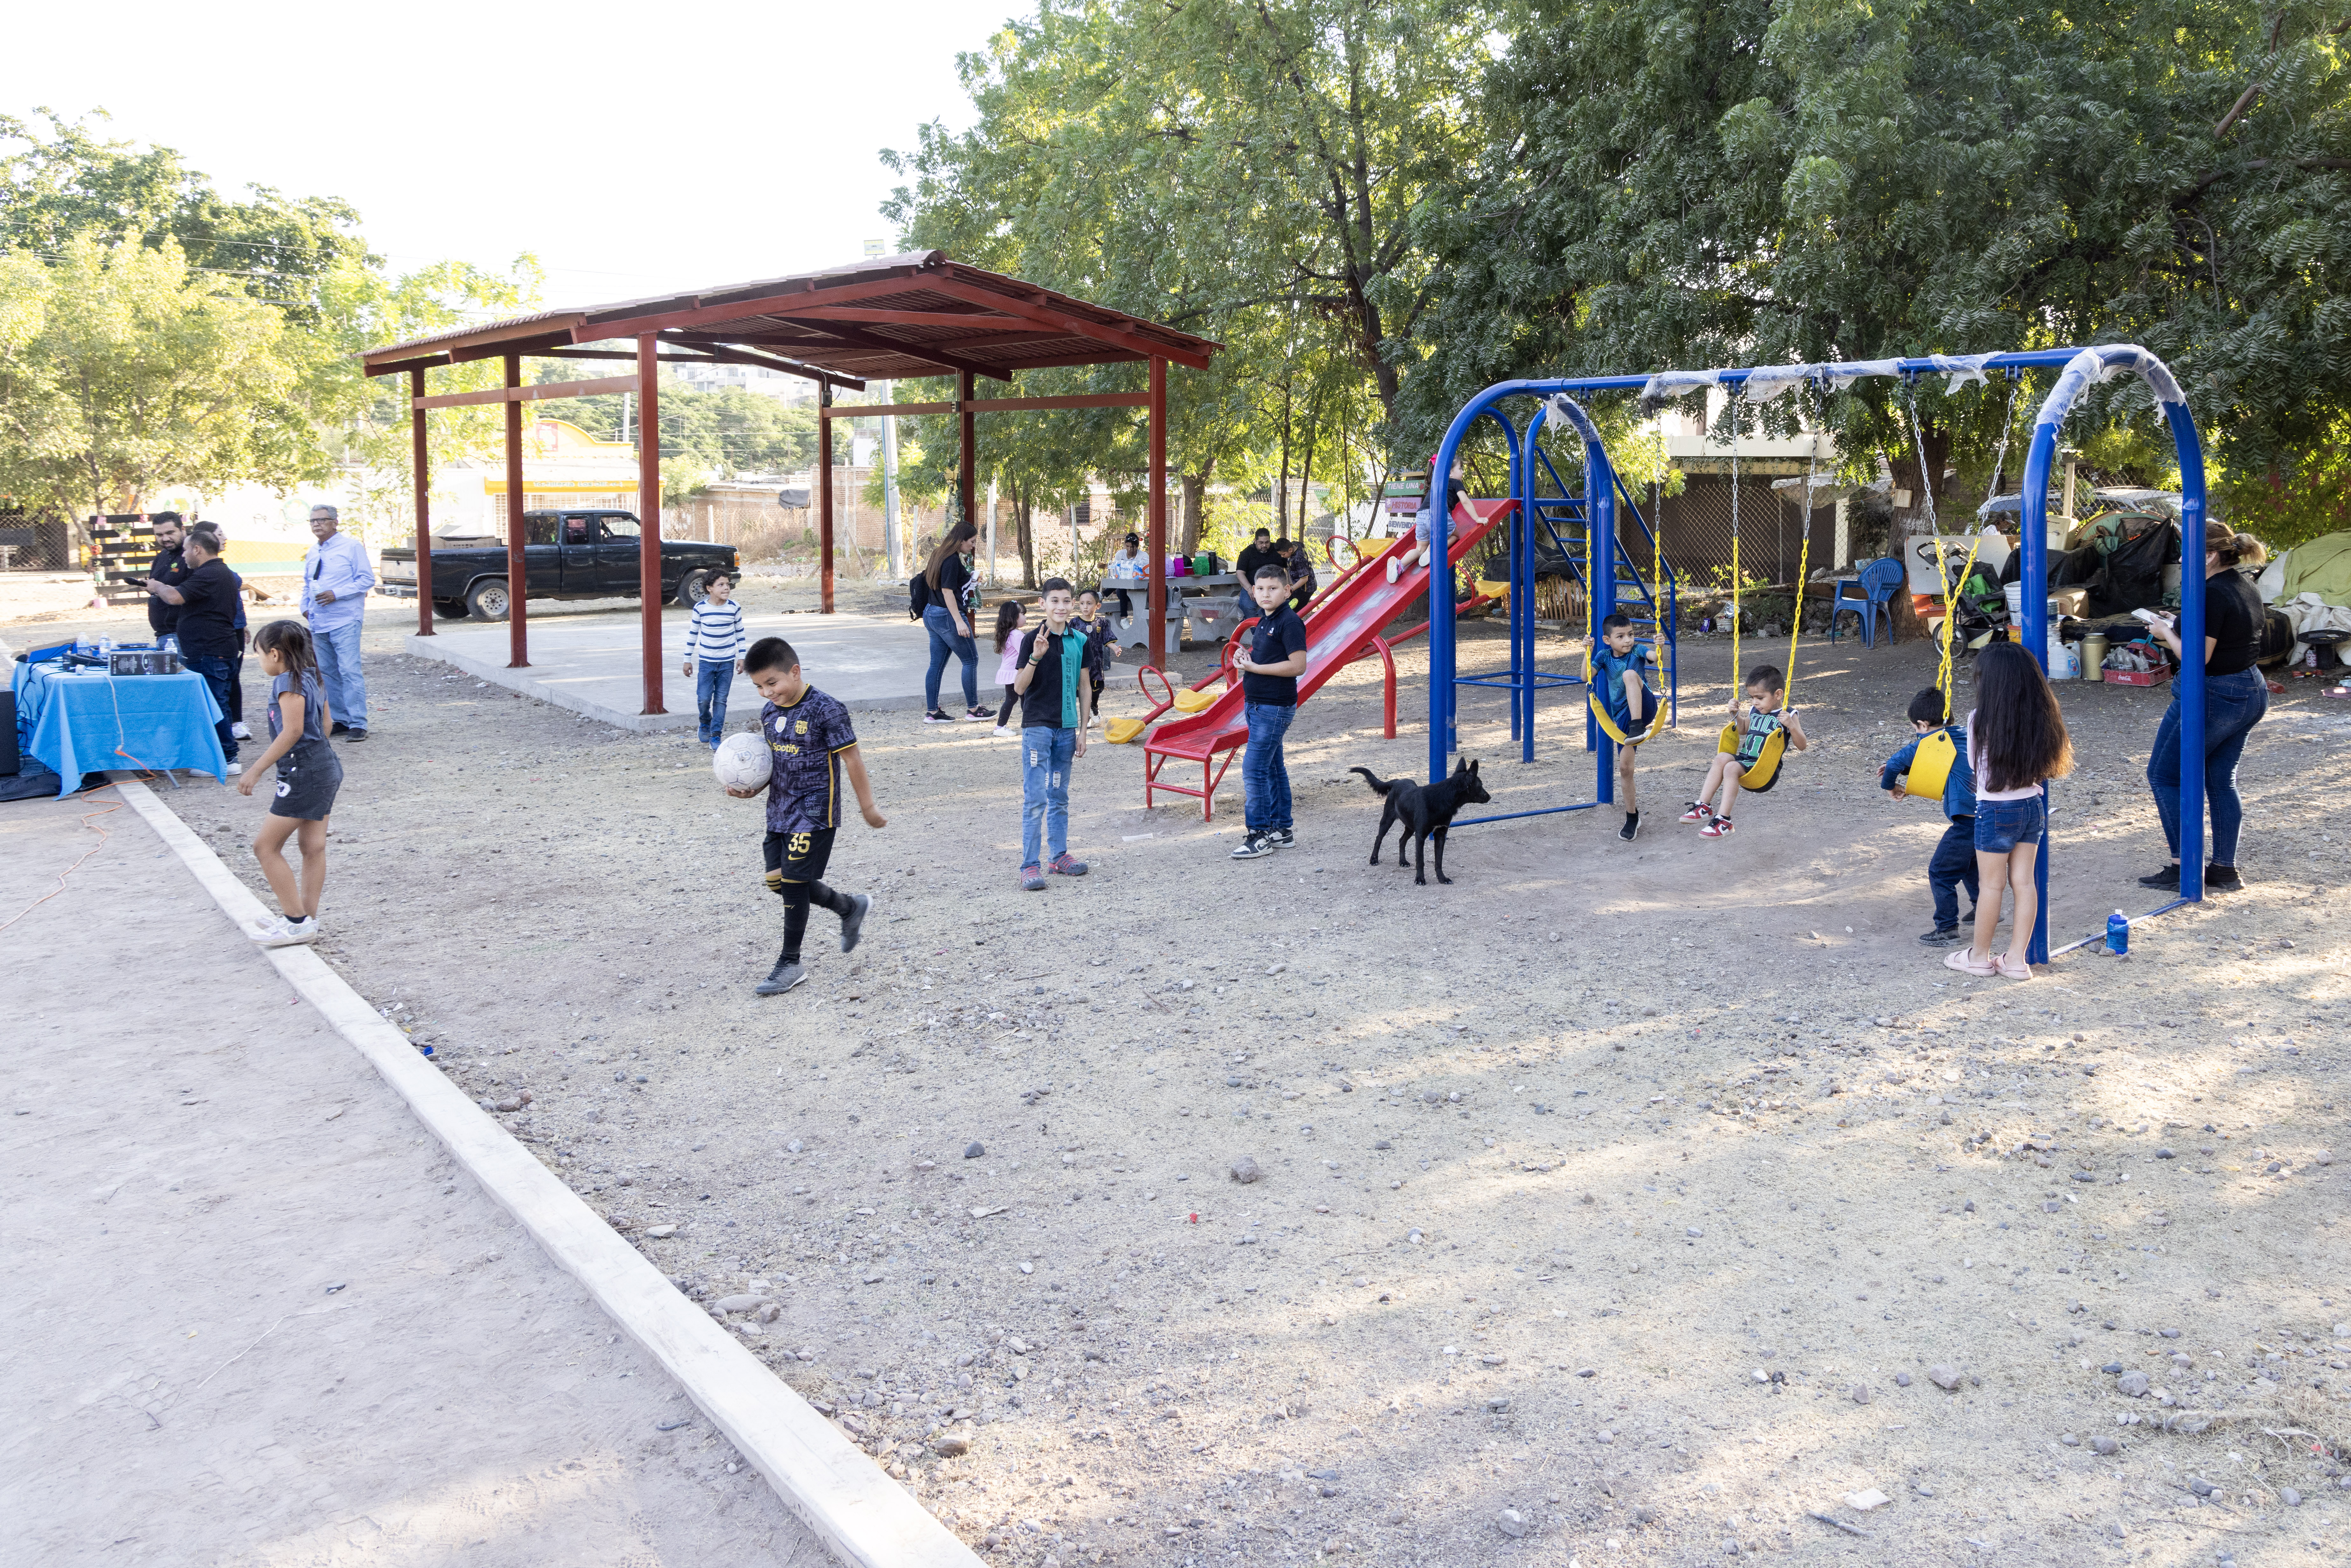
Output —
(1619, 1202)
(255, 1315)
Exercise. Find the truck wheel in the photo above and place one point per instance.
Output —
(693, 588)
(487, 600)
(449, 609)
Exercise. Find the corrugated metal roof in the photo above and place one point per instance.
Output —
(845, 320)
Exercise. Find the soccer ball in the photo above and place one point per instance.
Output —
(742, 761)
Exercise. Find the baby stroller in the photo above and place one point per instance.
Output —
(1978, 606)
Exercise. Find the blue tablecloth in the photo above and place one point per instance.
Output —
(74, 721)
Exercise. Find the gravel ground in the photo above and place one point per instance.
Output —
(1619, 1202)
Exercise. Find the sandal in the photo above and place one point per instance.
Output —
(1963, 959)
(2011, 969)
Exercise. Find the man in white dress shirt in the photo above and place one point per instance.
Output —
(335, 582)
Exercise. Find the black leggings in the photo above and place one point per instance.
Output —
(1004, 714)
(795, 860)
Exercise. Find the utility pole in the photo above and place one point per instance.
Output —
(889, 489)
(991, 533)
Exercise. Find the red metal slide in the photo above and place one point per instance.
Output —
(1341, 627)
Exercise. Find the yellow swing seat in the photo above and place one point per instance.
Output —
(1608, 725)
(1931, 765)
(1120, 731)
(1766, 766)
(1190, 701)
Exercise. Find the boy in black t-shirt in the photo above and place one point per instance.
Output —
(1270, 673)
(812, 747)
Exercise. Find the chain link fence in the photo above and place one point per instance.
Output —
(30, 542)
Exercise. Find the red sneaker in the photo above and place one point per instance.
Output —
(1716, 828)
(1698, 813)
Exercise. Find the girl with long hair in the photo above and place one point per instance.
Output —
(1008, 616)
(2016, 743)
(309, 775)
(954, 601)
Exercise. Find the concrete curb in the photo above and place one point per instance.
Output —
(865, 1518)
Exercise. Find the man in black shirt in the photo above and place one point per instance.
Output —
(206, 602)
(169, 564)
(1270, 673)
(1258, 552)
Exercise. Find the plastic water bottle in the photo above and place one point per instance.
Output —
(2118, 932)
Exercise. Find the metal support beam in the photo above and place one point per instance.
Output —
(1155, 509)
(517, 629)
(649, 516)
(513, 394)
(966, 457)
(423, 474)
(823, 477)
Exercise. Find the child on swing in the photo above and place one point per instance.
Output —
(1620, 686)
(2016, 743)
(1756, 716)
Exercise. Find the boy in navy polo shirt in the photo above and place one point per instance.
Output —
(813, 745)
(1056, 706)
(1270, 673)
(1620, 684)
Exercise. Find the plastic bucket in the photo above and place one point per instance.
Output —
(2015, 591)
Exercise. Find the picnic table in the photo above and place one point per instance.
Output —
(1208, 604)
(81, 719)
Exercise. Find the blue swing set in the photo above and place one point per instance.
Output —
(1586, 519)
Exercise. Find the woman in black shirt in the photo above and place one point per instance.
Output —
(954, 601)
(2235, 697)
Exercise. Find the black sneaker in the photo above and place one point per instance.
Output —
(1632, 828)
(2222, 879)
(356, 735)
(338, 727)
(1253, 846)
(853, 922)
(2168, 877)
(1944, 935)
(937, 716)
(1283, 839)
(787, 974)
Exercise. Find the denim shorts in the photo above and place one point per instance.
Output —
(2001, 825)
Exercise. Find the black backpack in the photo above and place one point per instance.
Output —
(918, 596)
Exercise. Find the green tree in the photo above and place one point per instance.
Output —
(1696, 182)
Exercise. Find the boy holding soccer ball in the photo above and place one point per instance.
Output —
(814, 745)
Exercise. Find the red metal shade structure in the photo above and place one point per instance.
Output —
(897, 317)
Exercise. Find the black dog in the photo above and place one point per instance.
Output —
(1422, 811)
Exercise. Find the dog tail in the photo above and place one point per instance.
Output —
(1379, 785)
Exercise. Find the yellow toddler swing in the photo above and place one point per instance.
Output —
(1766, 765)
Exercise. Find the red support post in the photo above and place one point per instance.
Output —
(517, 632)
(424, 506)
(1158, 512)
(823, 478)
(649, 515)
(966, 464)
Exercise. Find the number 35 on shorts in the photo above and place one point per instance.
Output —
(797, 846)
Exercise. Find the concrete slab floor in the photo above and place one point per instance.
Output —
(591, 663)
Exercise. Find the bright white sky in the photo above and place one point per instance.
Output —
(635, 148)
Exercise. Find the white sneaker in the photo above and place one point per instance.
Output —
(1001, 730)
(284, 933)
(1395, 567)
(238, 730)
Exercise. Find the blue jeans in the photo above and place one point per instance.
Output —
(1953, 868)
(216, 672)
(1045, 756)
(2233, 705)
(2004, 825)
(946, 644)
(711, 680)
(338, 673)
(1265, 776)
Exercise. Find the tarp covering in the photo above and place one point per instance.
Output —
(2322, 566)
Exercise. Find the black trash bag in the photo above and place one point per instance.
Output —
(2131, 578)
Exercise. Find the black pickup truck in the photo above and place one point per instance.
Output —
(584, 554)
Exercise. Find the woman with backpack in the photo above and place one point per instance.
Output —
(950, 592)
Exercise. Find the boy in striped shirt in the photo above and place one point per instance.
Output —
(713, 654)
